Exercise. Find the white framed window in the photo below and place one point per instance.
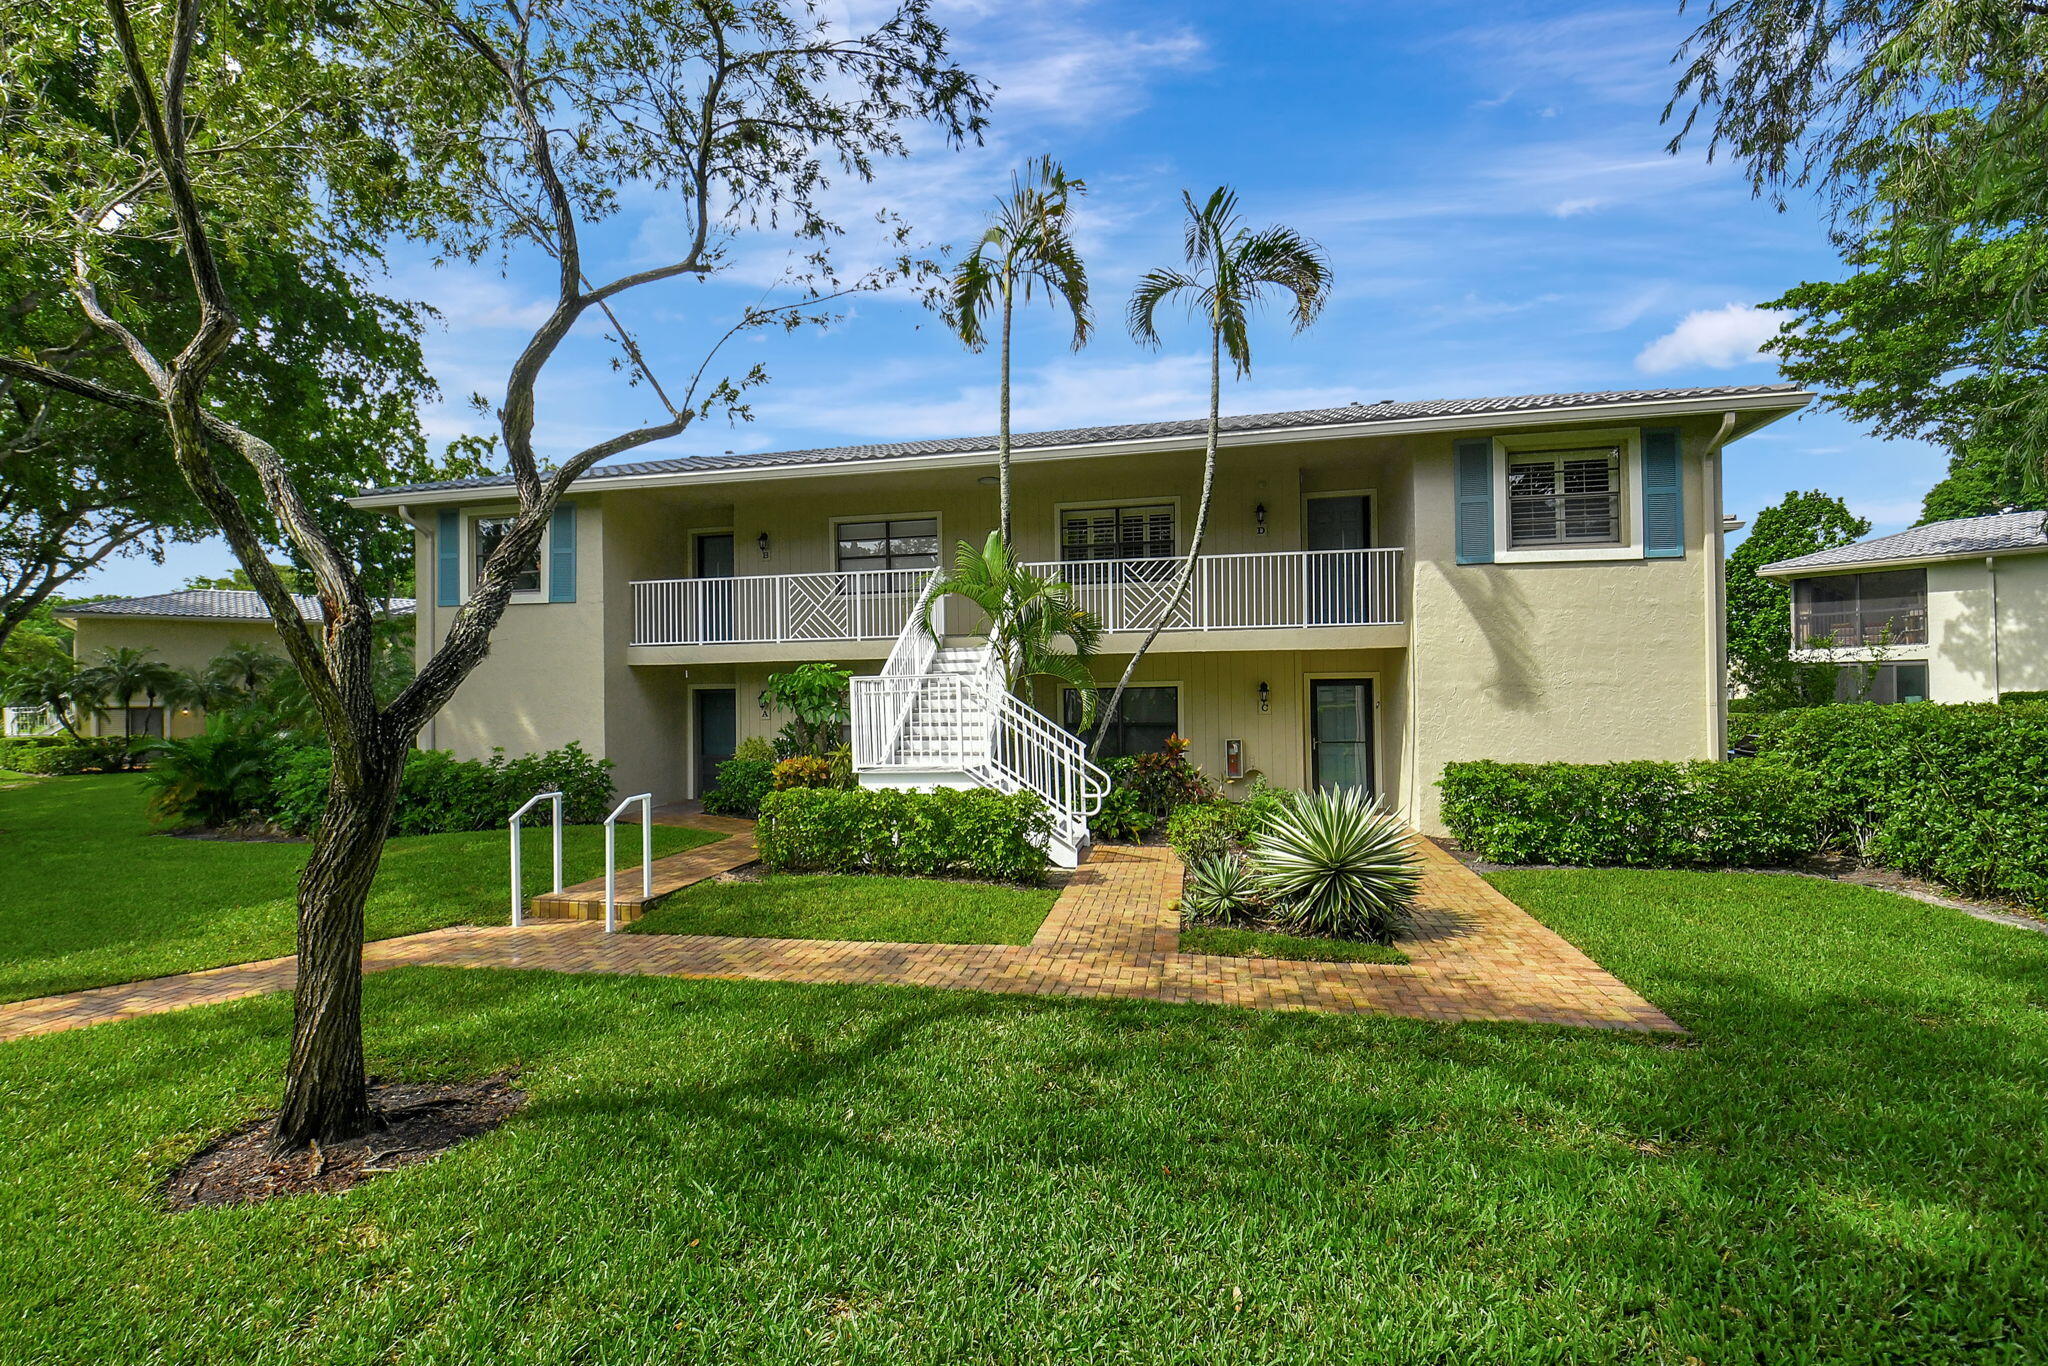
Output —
(1560, 498)
(1149, 713)
(887, 543)
(1117, 531)
(1563, 496)
(485, 535)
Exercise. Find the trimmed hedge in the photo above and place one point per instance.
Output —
(950, 832)
(1643, 814)
(440, 792)
(64, 758)
(1958, 793)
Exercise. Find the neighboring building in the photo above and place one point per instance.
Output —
(1953, 611)
(184, 630)
(1385, 588)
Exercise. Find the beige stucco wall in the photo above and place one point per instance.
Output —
(179, 642)
(1616, 659)
(1588, 662)
(1970, 656)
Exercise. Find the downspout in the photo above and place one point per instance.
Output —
(1717, 596)
(1991, 574)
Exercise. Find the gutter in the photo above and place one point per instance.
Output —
(1771, 407)
(1910, 562)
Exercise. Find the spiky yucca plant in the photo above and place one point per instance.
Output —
(1220, 889)
(1337, 864)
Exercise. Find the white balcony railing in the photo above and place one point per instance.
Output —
(870, 604)
(1263, 590)
(1282, 588)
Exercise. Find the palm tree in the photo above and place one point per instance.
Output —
(1029, 245)
(122, 673)
(1028, 616)
(205, 689)
(244, 667)
(58, 687)
(1230, 268)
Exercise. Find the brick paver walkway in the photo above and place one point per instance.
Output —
(1475, 956)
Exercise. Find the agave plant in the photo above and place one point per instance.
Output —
(1337, 864)
(1220, 889)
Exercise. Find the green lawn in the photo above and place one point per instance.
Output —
(892, 909)
(1231, 942)
(92, 896)
(1845, 1162)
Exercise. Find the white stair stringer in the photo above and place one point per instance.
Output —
(939, 716)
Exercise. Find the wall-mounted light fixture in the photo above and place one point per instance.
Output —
(762, 542)
(763, 699)
(988, 481)
(1265, 697)
(1259, 516)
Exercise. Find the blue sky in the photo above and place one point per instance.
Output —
(1489, 182)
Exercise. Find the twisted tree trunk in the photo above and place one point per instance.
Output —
(326, 1094)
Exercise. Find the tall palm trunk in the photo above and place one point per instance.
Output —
(326, 1097)
(1187, 568)
(1003, 413)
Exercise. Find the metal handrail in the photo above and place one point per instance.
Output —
(518, 868)
(611, 858)
(1250, 590)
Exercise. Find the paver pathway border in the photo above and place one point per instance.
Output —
(1114, 931)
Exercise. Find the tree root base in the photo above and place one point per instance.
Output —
(416, 1123)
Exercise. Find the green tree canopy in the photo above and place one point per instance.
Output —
(1759, 609)
(1922, 126)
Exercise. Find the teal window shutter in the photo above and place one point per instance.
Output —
(448, 558)
(1474, 478)
(1663, 495)
(562, 554)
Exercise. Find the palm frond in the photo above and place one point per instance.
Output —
(1282, 257)
(1153, 289)
(976, 286)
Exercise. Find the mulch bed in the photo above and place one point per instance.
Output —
(419, 1122)
(250, 832)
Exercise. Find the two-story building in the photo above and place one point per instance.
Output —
(1385, 588)
(1952, 611)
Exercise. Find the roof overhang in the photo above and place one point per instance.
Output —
(1780, 571)
(1752, 411)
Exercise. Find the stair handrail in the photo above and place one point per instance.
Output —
(611, 857)
(910, 657)
(1060, 771)
(518, 899)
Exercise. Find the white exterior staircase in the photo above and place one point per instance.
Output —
(940, 716)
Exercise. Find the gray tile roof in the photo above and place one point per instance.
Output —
(1385, 411)
(1958, 538)
(212, 604)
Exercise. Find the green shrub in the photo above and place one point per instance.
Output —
(221, 775)
(742, 783)
(440, 793)
(95, 754)
(1335, 863)
(1220, 889)
(958, 832)
(1205, 830)
(1644, 813)
(1122, 818)
(1958, 793)
(2023, 696)
(755, 747)
(803, 770)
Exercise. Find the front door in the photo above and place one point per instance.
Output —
(1338, 583)
(714, 602)
(1340, 732)
(716, 727)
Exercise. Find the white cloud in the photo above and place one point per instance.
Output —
(1717, 338)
